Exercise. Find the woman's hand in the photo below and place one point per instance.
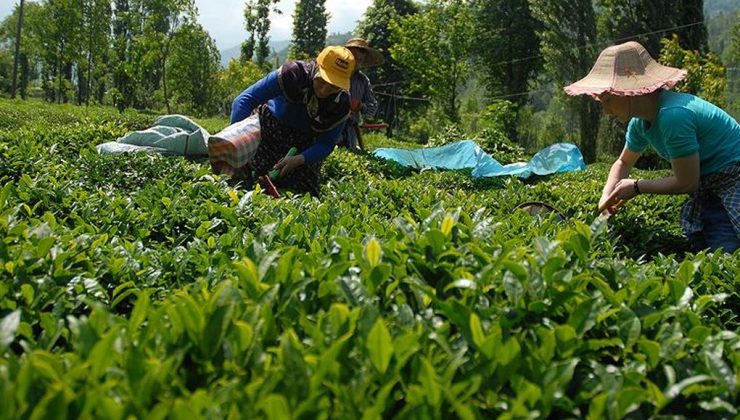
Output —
(602, 206)
(612, 197)
(623, 191)
(608, 210)
(288, 164)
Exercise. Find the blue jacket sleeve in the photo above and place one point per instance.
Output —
(263, 90)
(324, 145)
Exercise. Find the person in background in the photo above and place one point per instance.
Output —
(701, 141)
(303, 104)
(363, 102)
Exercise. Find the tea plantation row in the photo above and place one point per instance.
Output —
(146, 286)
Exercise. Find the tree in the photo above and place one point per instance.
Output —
(17, 49)
(644, 21)
(237, 77)
(733, 56)
(375, 28)
(733, 60)
(60, 36)
(123, 33)
(568, 46)
(142, 34)
(257, 23)
(309, 28)
(6, 63)
(506, 45)
(693, 29)
(164, 18)
(27, 54)
(96, 29)
(193, 68)
(706, 75)
(719, 29)
(434, 46)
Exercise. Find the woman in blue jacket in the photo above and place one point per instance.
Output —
(701, 141)
(303, 104)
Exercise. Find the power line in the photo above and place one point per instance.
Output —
(401, 97)
(388, 84)
(613, 41)
(512, 95)
(516, 60)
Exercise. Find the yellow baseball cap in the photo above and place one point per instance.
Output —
(336, 65)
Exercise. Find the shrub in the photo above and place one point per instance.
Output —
(448, 134)
(430, 124)
(706, 74)
(501, 116)
(495, 142)
(144, 286)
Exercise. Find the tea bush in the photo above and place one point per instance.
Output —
(498, 128)
(146, 286)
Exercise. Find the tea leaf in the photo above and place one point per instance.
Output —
(373, 252)
(379, 346)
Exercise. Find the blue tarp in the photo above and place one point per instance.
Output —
(560, 157)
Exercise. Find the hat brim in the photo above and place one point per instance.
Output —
(340, 82)
(657, 76)
(374, 57)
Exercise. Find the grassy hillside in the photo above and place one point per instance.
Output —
(145, 286)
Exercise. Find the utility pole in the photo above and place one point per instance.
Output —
(17, 50)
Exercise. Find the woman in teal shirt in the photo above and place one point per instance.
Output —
(701, 141)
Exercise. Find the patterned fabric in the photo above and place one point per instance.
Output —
(251, 147)
(724, 186)
(351, 136)
(277, 139)
(234, 146)
(362, 90)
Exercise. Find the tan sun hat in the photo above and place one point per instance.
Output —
(374, 57)
(336, 65)
(626, 70)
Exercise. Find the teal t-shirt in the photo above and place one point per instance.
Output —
(685, 125)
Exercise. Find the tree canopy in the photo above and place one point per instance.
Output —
(309, 28)
(456, 57)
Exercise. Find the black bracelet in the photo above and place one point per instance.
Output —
(637, 187)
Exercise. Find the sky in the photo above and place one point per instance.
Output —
(224, 19)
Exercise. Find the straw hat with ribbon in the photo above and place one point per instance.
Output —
(374, 57)
(626, 70)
